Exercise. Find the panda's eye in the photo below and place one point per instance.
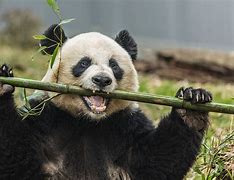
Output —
(85, 63)
(117, 71)
(114, 65)
(81, 66)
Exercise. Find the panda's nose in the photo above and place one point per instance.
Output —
(101, 81)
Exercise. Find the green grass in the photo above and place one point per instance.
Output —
(24, 65)
(217, 152)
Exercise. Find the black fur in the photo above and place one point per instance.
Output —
(117, 71)
(55, 35)
(56, 145)
(81, 66)
(124, 39)
(125, 143)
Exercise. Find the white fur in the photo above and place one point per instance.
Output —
(100, 49)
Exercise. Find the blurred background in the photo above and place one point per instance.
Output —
(154, 23)
(181, 43)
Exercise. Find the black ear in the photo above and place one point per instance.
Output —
(55, 35)
(124, 39)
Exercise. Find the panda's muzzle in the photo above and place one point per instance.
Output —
(101, 81)
(96, 104)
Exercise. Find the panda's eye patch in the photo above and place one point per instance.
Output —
(81, 66)
(118, 72)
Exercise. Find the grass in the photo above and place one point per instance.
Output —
(27, 63)
(216, 159)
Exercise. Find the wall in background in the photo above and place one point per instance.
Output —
(154, 23)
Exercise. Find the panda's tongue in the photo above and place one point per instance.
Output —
(96, 103)
(96, 100)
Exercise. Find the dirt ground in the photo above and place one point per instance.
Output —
(194, 65)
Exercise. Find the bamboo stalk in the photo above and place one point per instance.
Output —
(131, 96)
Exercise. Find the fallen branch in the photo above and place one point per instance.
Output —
(131, 96)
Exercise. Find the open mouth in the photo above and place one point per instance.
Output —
(96, 104)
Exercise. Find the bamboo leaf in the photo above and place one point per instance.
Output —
(50, 2)
(54, 56)
(38, 51)
(65, 21)
(39, 37)
(53, 4)
(41, 48)
(25, 99)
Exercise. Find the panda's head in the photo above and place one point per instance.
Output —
(96, 62)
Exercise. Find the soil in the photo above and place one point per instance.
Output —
(189, 64)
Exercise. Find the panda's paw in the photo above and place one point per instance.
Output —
(195, 96)
(6, 89)
(194, 119)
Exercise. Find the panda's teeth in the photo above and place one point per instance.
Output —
(88, 100)
(98, 110)
(95, 104)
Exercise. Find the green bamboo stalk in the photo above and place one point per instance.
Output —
(117, 94)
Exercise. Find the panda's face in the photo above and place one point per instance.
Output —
(96, 62)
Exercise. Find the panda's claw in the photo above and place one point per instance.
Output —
(180, 93)
(188, 94)
(194, 95)
(6, 71)
(4, 68)
(11, 73)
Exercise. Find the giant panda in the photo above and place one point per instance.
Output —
(96, 138)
